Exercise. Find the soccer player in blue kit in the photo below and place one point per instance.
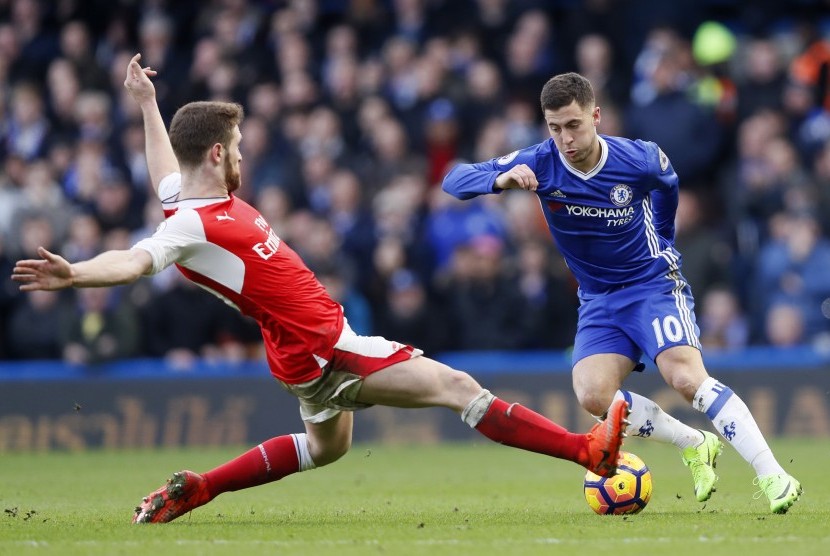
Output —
(610, 204)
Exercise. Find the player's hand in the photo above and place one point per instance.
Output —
(518, 177)
(138, 81)
(50, 272)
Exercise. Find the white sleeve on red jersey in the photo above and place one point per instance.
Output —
(169, 187)
(174, 239)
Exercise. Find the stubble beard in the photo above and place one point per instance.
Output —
(233, 179)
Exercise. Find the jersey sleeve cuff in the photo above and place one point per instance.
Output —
(491, 187)
(155, 254)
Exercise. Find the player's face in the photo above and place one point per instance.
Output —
(574, 132)
(233, 177)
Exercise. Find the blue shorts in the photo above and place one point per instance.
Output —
(645, 318)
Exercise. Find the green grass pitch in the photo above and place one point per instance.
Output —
(452, 499)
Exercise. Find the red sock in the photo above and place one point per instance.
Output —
(270, 461)
(519, 427)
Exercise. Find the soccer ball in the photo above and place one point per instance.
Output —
(627, 492)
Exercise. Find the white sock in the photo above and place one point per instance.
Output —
(735, 423)
(301, 445)
(648, 420)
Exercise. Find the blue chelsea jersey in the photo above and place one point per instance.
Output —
(613, 225)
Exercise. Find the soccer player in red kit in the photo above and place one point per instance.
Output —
(223, 244)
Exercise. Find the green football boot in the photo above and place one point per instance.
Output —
(782, 491)
(701, 460)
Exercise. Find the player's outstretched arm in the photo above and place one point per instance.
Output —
(515, 171)
(53, 272)
(161, 160)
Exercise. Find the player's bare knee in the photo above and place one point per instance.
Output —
(459, 381)
(595, 403)
(461, 388)
(329, 450)
(329, 453)
(684, 383)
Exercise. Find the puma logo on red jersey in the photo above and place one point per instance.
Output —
(225, 216)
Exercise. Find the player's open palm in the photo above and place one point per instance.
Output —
(518, 177)
(50, 272)
(138, 81)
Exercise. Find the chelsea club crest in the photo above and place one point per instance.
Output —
(621, 195)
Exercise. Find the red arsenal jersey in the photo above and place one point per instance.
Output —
(224, 245)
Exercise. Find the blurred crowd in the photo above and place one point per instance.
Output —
(355, 110)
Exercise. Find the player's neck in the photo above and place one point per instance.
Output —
(198, 184)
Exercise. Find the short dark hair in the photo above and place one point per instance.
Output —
(197, 126)
(563, 89)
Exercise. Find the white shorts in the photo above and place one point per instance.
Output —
(355, 358)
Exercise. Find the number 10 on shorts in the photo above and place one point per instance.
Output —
(669, 328)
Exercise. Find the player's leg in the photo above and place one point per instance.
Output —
(664, 321)
(683, 369)
(423, 382)
(322, 443)
(701, 455)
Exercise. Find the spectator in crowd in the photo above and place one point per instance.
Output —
(595, 60)
(784, 325)
(713, 46)
(484, 303)
(694, 140)
(808, 69)
(749, 195)
(84, 237)
(63, 87)
(441, 135)
(130, 158)
(33, 228)
(114, 205)
(486, 96)
(352, 221)
(35, 329)
(807, 94)
(723, 324)
(101, 329)
(409, 314)
(37, 43)
(390, 154)
(706, 254)
(28, 128)
(548, 299)
(761, 84)
(76, 47)
(530, 57)
(792, 268)
(159, 51)
(399, 214)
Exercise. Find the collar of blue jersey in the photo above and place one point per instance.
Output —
(603, 146)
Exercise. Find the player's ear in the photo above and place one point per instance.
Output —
(596, 116)
(216, 153)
